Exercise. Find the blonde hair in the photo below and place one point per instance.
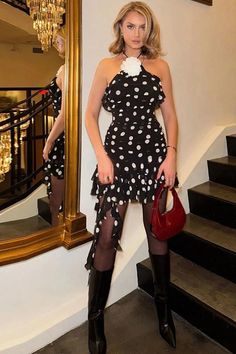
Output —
(152, 46)
(61, 33)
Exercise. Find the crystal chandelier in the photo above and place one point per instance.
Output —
(6, 142)
(47, 18)
(5, 149)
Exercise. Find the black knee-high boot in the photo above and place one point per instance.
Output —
(99, 286)
(161, 280)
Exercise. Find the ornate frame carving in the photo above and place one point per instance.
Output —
(72, 231)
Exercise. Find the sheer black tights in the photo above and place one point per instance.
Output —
(155, 246)
(105, 253)
(56, 198)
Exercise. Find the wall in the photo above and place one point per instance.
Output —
(199, 42)
(51, 289)
(19, 67)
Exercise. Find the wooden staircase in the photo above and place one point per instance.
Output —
(203, 255)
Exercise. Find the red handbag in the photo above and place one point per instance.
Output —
(171, 222)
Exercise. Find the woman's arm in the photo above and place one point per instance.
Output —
(59, 125)
(105, 166)
(168, 167)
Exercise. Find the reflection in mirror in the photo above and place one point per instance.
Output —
(26, 118)
(54, 149)
(72, 231)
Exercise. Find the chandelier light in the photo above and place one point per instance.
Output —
(5, 149)
(47, 18)
(6, 141)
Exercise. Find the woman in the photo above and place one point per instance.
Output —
(53, 152)
(134, 160)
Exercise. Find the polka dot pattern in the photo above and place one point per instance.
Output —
(55, 164)
(135, 143)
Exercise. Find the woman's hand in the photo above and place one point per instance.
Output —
(105, 170)
(47, 149)
(168, 168)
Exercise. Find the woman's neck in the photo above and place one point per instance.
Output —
(129, 52)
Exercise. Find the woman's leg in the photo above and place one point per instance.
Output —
(56, 198)
(155, 246)
(105, 252)
(100, 281)
(159, 256)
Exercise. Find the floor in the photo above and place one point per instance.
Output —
(131, 328)
(22, 227)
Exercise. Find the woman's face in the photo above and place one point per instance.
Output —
(133, 29)
(60, 44)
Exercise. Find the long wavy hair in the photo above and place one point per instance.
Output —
(151, 46)
(61, 33)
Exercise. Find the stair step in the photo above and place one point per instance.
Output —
(231, 144)
(203, 298)
(23, 227)
(214, 201)
(209, 244)
(44, 209)
(223, 170)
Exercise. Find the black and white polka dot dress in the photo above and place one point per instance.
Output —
(54, 166)
(134, 142)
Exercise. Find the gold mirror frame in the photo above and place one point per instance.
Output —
(72, 230)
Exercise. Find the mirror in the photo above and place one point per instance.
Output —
(26, 117)
(72, 230)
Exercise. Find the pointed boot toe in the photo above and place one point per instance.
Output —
(168, 334)
(161, 280)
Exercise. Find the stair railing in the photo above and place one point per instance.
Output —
(24, 127)
(19, 4)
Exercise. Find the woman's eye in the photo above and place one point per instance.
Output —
(130, 26)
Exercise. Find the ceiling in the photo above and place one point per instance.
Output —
(16, 27)
(19, 4)
(10, 34)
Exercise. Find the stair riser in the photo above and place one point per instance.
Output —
(212, 208)
(231, 145)
(208, 255)
(43, 210)
(223, 174)
(209, 321)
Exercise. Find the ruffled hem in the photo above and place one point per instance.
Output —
(102, 210)
(113, 195)
(134, 187)
(54, 166)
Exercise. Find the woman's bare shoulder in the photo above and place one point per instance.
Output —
(103, 63)
(61, 71)
(161, 67)
(107, 67)
(162, 64)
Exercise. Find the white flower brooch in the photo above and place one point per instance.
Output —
(131, 66)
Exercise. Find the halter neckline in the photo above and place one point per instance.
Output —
(132, 55)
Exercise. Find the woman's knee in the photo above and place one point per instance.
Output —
(105, 243)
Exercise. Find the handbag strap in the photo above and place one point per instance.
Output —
(158, 193)
(157, 196)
